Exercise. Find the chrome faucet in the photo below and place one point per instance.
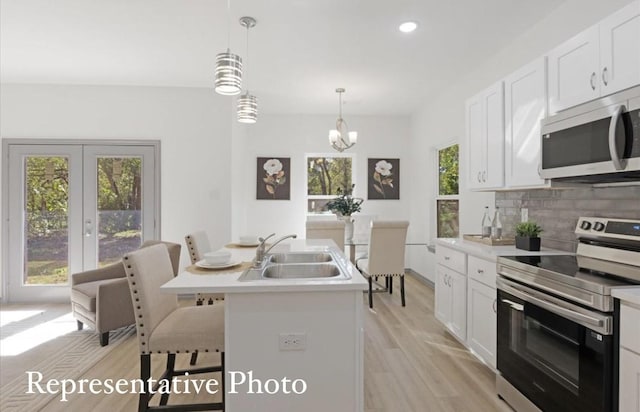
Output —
(258, 261)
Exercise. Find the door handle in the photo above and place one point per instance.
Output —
(604, 76)
(618, 163)
(593, 80)
(88, 228)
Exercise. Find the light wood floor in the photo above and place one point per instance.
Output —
(411, 364)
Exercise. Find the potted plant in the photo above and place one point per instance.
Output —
(527, 236)
(344, 206)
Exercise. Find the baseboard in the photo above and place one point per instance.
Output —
(418, 276)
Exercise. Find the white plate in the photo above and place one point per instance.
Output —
(203, 264)
(248, 244)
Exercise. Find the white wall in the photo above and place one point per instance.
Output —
(193, 125)
(296, 135)
(441, 119)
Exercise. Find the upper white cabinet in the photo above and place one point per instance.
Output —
(485, 138)
(525, 104)
(601, 60)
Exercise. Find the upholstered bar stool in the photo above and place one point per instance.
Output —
(386, 255)
(197, 245)
(164, 327)
(327, 229)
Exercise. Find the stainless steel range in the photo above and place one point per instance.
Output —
(557, 320)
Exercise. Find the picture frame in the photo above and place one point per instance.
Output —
(383, 179)
(273, 178)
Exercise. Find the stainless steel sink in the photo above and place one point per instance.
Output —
(301, 271)
(300, 257)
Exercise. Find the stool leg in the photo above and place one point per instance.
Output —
(145, 374)
(194, 358)
(402, 289)
(370, 292)
(390, 284)
(104, 339)
(171, 364)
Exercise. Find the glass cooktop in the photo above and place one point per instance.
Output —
(562, 264)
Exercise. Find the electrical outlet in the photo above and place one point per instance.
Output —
(293, 341)
(524, 214)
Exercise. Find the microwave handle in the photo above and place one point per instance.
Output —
(613, 150)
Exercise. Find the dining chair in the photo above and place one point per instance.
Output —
(197, 245)
(100, 297)
(385, 256)
(327, 229)
(165, 327)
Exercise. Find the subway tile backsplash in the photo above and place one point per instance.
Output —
(558, 210)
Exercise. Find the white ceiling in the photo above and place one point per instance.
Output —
(300, 50)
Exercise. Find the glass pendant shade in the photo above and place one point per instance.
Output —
(228, 76)
(247, 108)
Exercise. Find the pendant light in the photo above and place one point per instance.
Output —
(247, 103)
(341, 138)
(228, 75)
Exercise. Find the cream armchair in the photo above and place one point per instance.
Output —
(101, 299)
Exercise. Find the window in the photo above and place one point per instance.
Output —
(447, 199)
(325, 175)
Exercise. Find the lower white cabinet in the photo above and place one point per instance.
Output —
(451, 300)
(482, 320)
(629, 390)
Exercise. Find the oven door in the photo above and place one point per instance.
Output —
(557, 355)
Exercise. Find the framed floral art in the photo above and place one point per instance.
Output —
(272, 180)
(383, 179)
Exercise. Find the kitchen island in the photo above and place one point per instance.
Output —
(280, 331)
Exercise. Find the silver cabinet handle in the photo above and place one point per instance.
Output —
(593, 80)
(484, 176)
(540, 170)
(613, 149)
(495, 303)
(604, 76)
(480, 271)
(447, 258)
(479, 178)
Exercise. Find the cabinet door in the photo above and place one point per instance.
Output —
(493, 110)
(475, 143)
(458, 324)
(573, 71)
(481, 321)
(629, 381)
(442, 307)
(525, 106)
(620, 49)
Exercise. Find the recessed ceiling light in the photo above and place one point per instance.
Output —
(408, 26)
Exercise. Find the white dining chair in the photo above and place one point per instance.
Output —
(327, 229)
(385, 257)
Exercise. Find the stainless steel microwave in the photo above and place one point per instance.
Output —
(598, 141)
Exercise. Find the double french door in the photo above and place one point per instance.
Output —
(75, 207)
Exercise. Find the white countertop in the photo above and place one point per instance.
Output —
(227, 281)
(492, 252)
(628, 294)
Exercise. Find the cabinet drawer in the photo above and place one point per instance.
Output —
(482, 270)
(452, 259)
(630, 328)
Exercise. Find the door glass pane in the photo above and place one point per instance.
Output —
(46, 224)
(119, 207)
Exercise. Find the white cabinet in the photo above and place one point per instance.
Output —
(525, 105)
(481, 321)
(451, 301)
(481, 308)
(601, 60)
(485, 138)
(629, 390)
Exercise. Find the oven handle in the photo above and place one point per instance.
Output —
(613, 149)
(599, 325)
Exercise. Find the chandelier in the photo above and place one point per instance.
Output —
(228, 74)
(247, 103)
(341, 138)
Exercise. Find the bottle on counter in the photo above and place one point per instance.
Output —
(486, 223)
(496, 225)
